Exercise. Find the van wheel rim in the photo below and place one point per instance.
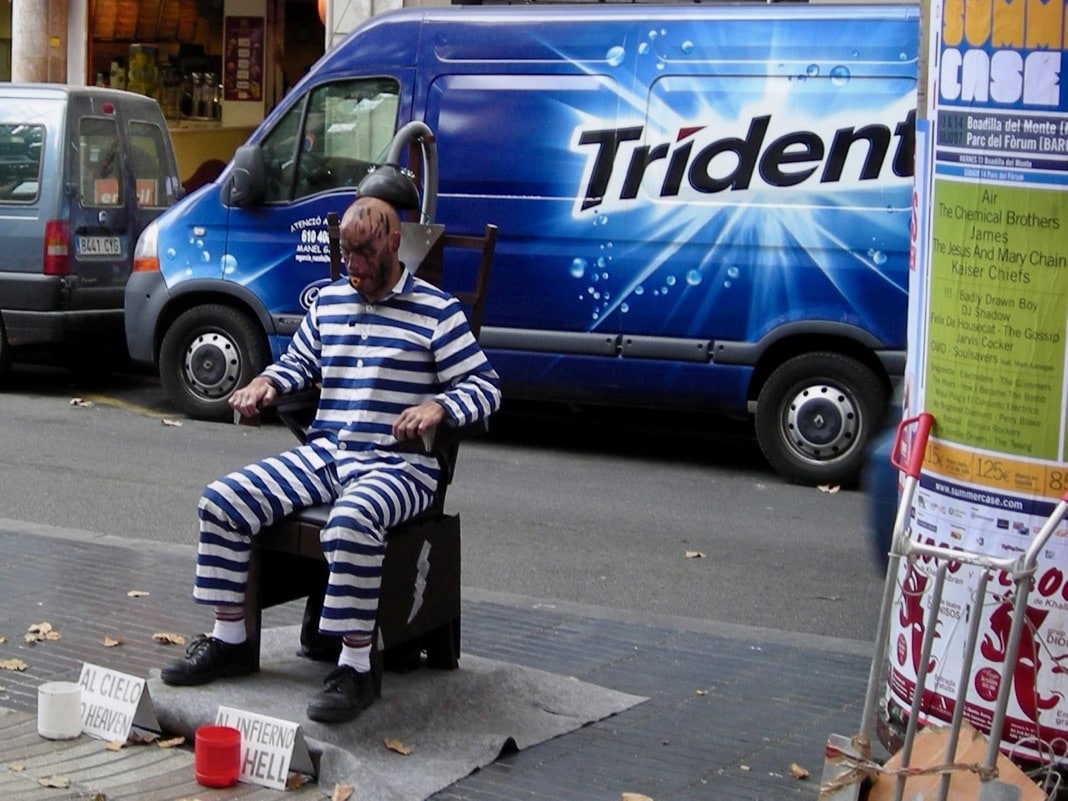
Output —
(212, 365)
(821, 422)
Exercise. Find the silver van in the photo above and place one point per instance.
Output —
(82, 171)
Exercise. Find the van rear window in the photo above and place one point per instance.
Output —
(20, 162)
(100, 162)
(148, 155)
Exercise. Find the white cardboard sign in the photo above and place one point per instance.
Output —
(114, 703)
(270, 747)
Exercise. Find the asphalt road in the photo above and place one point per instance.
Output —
(629, 510)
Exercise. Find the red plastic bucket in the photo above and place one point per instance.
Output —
(217, 756)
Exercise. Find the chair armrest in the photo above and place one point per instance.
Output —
(294, 409)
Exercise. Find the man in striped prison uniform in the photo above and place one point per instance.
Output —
(395, 357)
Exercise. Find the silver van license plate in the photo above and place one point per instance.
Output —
(99, 246)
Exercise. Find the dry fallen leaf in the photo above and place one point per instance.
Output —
(342, 792)
(41, 631)
(797, 771)
(115, 745)
(830, 489)
(172, 423)
(694, 555)
(141, 738)
(62, 782)
(168, 638)
(702, 692)
(3, 640)
(111, 642)
(635, 797)
(81, 402)
(137, 593)
(171, 742)
(398, 746)
(296, 781)
(744, 767)
(12, 664)
(98, 796)
(16, 767)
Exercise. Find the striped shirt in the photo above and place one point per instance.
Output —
(373, 360)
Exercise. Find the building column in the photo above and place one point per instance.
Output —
(39, 41)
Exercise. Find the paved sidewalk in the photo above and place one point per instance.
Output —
(729, 710)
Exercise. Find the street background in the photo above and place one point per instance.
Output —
(598, 507)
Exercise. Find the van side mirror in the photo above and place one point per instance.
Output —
(247, 184)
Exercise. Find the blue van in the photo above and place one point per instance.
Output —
(699, 207)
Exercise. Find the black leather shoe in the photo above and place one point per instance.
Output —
(346, 693)
(207, 659)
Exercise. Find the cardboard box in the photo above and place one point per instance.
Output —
(929, 750)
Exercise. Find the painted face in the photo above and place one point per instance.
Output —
(366, 236)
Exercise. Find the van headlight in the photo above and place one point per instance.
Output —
(146, 253)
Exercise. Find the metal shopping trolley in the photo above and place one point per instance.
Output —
(848, 759)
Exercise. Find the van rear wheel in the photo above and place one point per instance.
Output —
(816, 414)
(207, 353)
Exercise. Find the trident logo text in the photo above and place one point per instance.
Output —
(733, 163)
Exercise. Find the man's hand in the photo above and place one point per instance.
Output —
(415, 421)
(248, 400)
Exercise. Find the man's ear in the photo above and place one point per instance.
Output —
(394, 240)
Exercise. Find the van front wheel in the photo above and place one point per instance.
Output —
(207, 353)
(815, 415)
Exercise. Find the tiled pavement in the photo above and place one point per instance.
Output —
(729, 710)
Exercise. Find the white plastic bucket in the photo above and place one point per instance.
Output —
(59, 710)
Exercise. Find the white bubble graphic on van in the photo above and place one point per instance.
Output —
(727, 284)
(660, 65)
(615, 56)
(812, 70)
(877, 256)
(670, 280)
(733, 272)
(171, 253)
(855, 54)
(639, 290)
(686, 47)
(643, 48)
(229, 263)
(600, 219)
(693, 277)
(578, 267)
(205, 257)
(624, 307)
(653, 34)
(840, 75)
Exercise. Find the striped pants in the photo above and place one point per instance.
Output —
(235, 508)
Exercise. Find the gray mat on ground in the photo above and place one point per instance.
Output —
(454, 721)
